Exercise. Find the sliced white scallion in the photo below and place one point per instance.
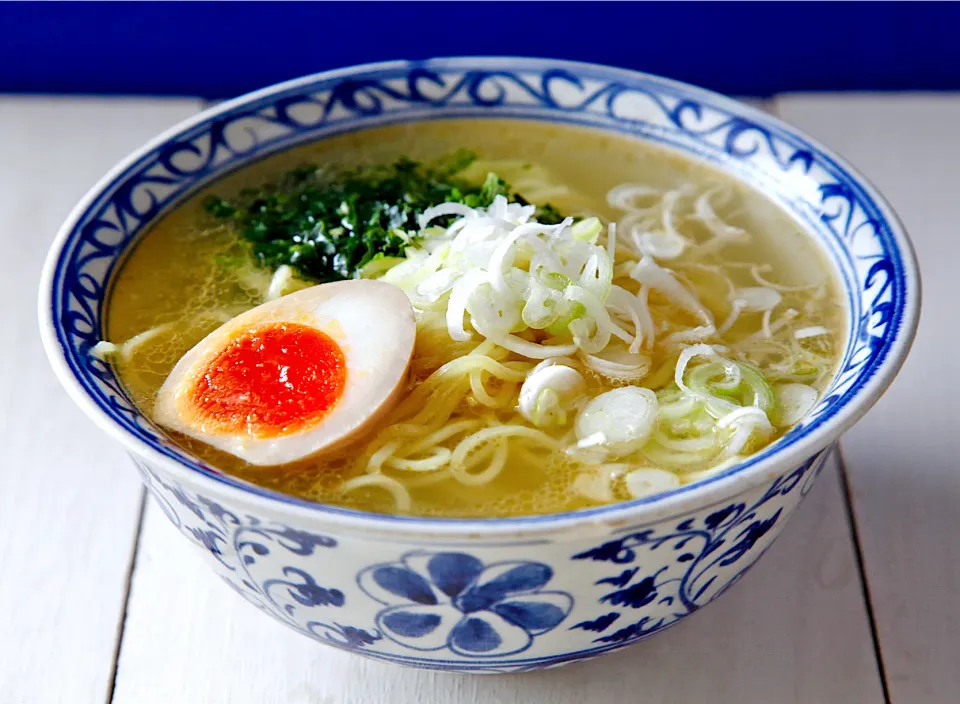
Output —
(756, 298)
(457, 306)
(697, 443)
(745, 422)
(763, 395)
(104, 350)
(594, 487)
(812, 331)
(624, 417)
(691, 335)
(618, 363)
(437, 284)
(506, 274)
(715, 405)
(533, 350)
(587, 230)
(495, 314)
(649, 481)
(650, 274)
(672, 244)
(732, 318)
(612, 242)
(459, 209)
(765, 323)
(376, 268)
(684, 359)
(659, 245)
(549, 392)
(794, 401)
(635, 308)
(678, 406)
(591, 441)
(597, 273)
(597, 485)
(284, 281)
(721, 231)
(278, 283)
(587, 340)
(768, 329)
(681, 461)
(757, 272)
(542, 306)
(625, 195)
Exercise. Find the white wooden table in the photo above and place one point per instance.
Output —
(101, 602)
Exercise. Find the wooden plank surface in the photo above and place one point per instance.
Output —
(902, 457)
(69, 499)
(794, 631)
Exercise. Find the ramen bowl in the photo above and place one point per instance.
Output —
(487, 595)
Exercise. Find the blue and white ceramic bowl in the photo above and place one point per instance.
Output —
(503, 595)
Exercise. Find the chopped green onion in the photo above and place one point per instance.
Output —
(587, 230)
(378, 266)
(573, 310)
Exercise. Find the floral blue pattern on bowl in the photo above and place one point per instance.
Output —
(452, 600)
(499, 595)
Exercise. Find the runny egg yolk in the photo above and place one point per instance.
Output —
(271, 380)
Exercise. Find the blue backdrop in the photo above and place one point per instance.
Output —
(217, 50)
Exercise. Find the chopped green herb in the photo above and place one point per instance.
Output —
(546, 213)
(331, 229)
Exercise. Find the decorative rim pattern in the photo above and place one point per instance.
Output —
(835, 204)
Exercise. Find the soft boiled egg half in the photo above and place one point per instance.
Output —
(294, 377)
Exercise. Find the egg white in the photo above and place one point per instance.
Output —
(371, 321)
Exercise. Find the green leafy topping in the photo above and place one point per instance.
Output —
(330, 229)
